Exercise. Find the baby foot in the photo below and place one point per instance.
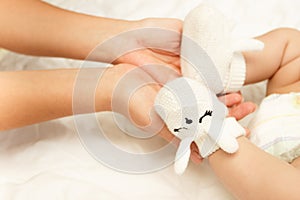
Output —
(193, 113)
(207, 33)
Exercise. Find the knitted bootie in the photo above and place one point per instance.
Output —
(193, 113)
(211, 53)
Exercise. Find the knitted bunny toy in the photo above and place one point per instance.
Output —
(212, 64)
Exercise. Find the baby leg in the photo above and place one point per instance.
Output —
(279, 61)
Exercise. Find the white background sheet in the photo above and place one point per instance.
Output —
(47, 161)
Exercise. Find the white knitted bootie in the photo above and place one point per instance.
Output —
(208, 43)
(193, 113)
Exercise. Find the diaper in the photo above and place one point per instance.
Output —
(276, 126)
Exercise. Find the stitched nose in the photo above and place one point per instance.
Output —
(188, 121)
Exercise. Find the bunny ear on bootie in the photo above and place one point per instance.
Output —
(211, 31)
(183, 155)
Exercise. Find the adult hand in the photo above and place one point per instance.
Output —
(131, 91)
(135, 93)
(81, 36)
(154, 41)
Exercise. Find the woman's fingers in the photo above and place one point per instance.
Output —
(241, 110)
(231, 99)
(247, 132)
(195, 155)
(237, 108)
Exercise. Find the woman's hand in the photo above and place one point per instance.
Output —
(135, 95)
(159, 41)
(76, 35)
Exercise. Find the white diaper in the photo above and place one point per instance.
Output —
(276, 126)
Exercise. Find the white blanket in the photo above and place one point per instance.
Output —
(47, 160)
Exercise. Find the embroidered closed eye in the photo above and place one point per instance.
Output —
(178, 129)
(207, 113)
